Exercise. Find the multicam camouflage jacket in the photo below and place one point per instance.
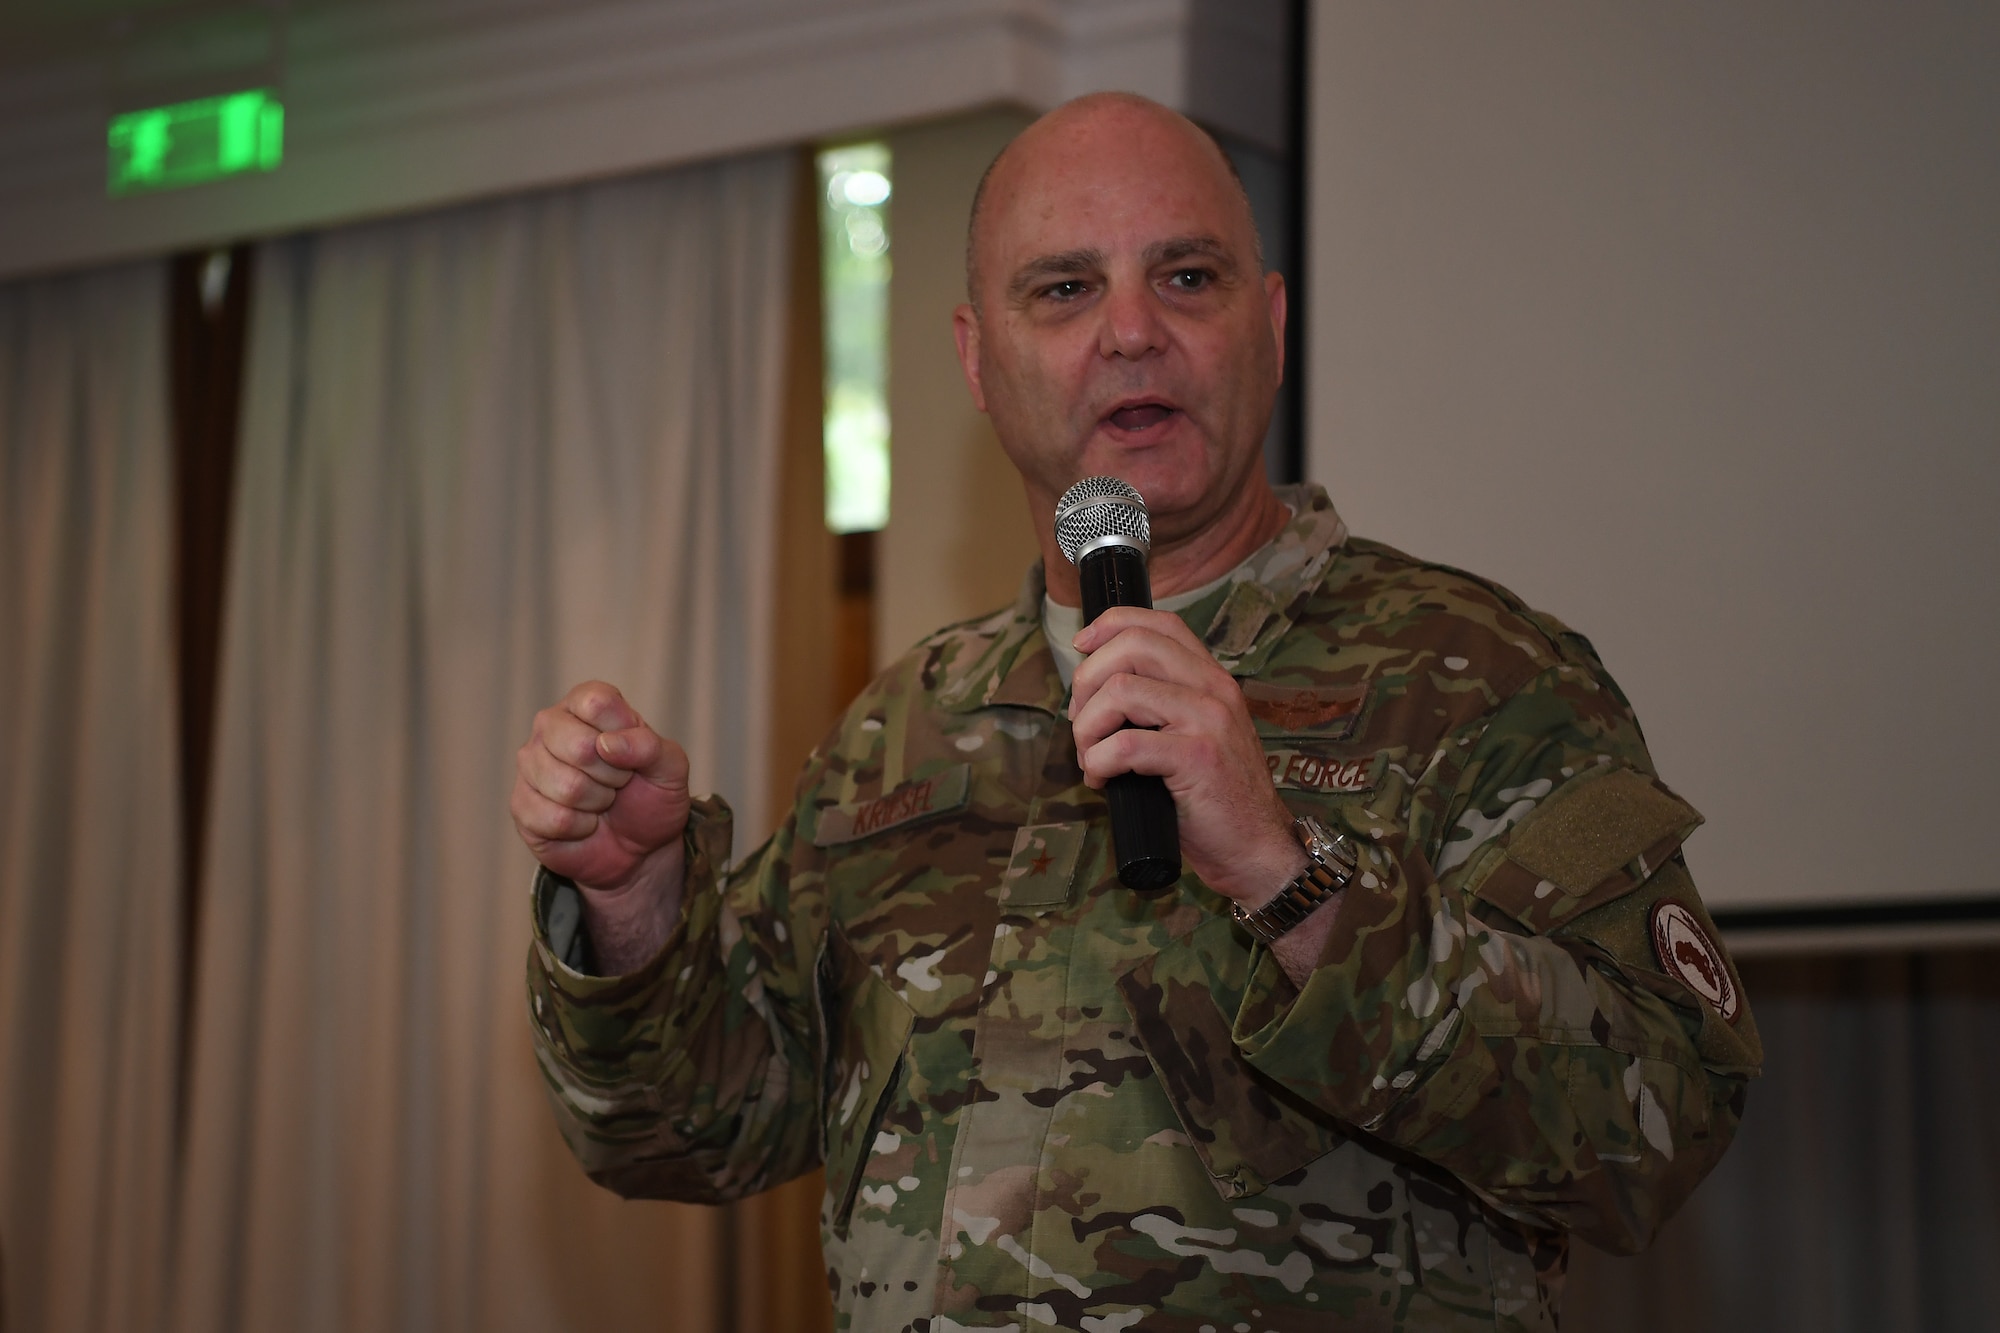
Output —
(1045, 1100)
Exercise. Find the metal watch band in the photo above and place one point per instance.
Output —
(1330, 862)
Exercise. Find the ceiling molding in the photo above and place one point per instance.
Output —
(392, 107)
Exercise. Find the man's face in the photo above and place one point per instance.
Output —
(1124, 328)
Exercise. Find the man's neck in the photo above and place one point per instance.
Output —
(1199, 557)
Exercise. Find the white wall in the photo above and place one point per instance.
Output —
(1684, 321)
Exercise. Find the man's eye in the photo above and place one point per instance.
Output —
(1065, 291)
(1191, 279)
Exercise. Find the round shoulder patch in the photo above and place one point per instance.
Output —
(1685, 951)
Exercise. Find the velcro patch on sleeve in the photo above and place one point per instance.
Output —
(942, 791)
(1593, 840)
(1596, 824)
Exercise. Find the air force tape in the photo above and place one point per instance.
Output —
(1687, 953)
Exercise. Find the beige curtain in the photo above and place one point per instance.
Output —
(89, 851)
(485, 454)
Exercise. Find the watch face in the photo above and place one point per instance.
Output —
(1325, 846)
(1313, 833)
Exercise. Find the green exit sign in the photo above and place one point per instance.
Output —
(192, 142)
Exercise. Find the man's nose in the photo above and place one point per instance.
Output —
(1132, 326)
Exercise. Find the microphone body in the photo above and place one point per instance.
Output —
(1111, 567)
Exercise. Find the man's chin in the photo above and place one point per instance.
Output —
(1172, 476)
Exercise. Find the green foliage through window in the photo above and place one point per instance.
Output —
(854, 236)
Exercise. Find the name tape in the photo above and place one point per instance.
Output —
(1300, 771)
(913, 800)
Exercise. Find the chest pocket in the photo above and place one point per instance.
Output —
(867, 1028)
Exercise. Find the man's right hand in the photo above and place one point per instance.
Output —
(602, 799)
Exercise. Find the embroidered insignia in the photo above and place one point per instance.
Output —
(1312, 772)
(1328, 713)
(1686, 952)
(1043, 865)
(913, 800)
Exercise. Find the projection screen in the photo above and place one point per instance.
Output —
(1684, 323)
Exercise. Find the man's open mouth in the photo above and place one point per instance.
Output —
(1138, 416)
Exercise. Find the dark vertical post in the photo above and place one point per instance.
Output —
(1298, 110)
(208, 318)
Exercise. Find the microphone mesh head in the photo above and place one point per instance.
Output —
(1099, 507)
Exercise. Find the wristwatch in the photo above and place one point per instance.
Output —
(1330, 864)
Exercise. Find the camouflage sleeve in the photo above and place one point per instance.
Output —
(1491, 999)
(692, 1077)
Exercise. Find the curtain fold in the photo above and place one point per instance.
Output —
(485, 454)
(89, 844)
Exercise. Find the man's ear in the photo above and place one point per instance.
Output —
(965, 332)
(1274, 291)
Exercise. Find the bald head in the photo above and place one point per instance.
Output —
(1099, 122)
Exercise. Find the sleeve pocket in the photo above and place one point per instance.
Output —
(866, 1028)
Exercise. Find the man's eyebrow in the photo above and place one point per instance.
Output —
(1065, 264)
(1189, 247)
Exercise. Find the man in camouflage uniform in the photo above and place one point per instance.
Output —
(1046, 1100)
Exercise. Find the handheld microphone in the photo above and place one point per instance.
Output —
(1102, 526)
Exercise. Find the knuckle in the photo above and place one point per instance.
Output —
(554, 783)
(1215, 713)
(591, 696)
(574, 789)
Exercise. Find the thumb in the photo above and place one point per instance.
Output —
(645, 753)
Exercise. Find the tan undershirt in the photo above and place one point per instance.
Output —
(1060, 624)
(1063, 623)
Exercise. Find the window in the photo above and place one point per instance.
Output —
(854, 236)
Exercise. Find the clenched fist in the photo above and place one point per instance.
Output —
(602, 799)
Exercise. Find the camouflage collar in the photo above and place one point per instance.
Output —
(1241, 621)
